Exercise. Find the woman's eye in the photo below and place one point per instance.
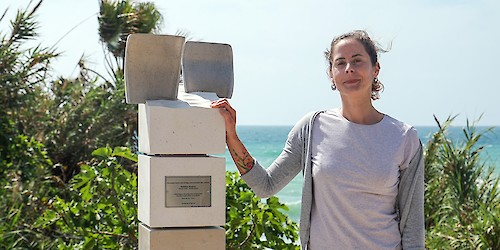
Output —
(340, 63)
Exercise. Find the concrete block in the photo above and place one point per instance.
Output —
(208, 67)
(152, 67)
(182, 191)
(210, 238)
(175, 127)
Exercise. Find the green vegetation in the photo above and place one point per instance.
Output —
(67, 182)
(248, 219)
(69, 172)
(462, 202)
(100, 210)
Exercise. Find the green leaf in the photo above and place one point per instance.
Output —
(86, 175)
(125, 152)
(104, 152)
(85, 192)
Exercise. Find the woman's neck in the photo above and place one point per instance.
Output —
(360, 112)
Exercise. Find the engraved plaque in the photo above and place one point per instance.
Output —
(188, 191)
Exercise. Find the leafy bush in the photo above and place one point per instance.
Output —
(102, 210)
(84, 115)
(253, 224)
(26, 186)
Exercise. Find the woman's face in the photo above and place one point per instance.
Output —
(352, 71)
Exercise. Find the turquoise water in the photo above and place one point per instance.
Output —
(266, 142)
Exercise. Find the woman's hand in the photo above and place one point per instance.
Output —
(229, 114)
(242, 159)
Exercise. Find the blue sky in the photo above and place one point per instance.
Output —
(444, 58)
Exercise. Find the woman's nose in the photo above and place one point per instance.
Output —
(349, 68)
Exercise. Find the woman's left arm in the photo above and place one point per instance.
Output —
(411, 203)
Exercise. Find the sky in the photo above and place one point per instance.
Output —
(443, 59)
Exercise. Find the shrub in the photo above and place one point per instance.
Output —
(462, 201)
(102, 209)
(26, 186)
(254, 224)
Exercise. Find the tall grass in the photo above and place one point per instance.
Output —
(462, 202)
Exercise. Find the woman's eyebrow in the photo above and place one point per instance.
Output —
(343, 58)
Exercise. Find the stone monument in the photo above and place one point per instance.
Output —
(181, 185)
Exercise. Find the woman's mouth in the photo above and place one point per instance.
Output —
(352, 81)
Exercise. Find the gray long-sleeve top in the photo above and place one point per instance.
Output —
(296, 157)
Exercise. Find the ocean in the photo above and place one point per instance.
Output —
(266, 142)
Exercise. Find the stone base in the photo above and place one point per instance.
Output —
(208, 238)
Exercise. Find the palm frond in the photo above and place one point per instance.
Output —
(118, 19)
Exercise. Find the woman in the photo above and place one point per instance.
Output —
(363, 170)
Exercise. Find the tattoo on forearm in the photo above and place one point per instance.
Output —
(244, 162)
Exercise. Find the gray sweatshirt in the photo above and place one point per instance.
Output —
(296, 156)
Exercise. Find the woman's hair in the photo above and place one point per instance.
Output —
(371, 47)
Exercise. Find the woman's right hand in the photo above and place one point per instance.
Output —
(241, 157)
(229, 114)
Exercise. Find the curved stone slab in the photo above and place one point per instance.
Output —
(208, 67)
(152, 67)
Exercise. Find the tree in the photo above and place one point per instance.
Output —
(118, 19)
(25, 178)
(85, 114)
(89, 111)
(23, 73)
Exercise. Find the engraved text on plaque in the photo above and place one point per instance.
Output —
(188, 191)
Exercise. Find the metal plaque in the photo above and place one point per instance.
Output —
(188, 191)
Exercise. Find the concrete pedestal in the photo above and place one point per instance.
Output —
(174, 127)
(186, 191)
(182, 199)
(208, 238)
